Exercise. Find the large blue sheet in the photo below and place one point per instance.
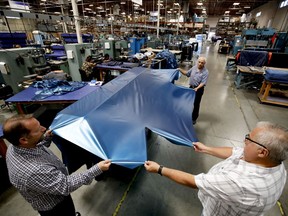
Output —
(111, 121)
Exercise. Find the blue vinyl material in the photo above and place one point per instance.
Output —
(275, 75)
(111, 121)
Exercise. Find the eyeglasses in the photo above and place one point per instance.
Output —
(247, 137)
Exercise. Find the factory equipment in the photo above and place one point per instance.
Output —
(237, 44)
(43, 38)
(122, 48)
(76, 54)
(281, 42)
(258, 37)
(109, 48)
(11, 40)
(20, 64)
(136, 44)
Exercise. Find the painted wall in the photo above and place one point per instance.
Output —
(212, 21)
(272, 16)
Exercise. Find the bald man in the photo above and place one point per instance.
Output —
(198, 76)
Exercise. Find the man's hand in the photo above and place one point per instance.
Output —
(104, 165)
(48, 133)
(151, 166)
(199, 147)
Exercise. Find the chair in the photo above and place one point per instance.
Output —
(187, 53)
(6, 92)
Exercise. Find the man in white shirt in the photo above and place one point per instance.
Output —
(248, 182)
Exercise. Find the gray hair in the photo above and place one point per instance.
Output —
(202, 58)
(275, 138)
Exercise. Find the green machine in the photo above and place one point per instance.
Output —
(20, 64)
(122, 48)
(76, 55)
(109, 48)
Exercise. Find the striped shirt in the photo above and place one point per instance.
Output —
(236, 187)
(41, 177)
(196, 76)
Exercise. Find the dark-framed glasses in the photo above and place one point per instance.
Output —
(247, 137)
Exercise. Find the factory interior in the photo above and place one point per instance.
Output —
(45, 44)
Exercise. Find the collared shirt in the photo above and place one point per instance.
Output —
(88, 67)
(41, 177)
(236, 187)
(196, 76)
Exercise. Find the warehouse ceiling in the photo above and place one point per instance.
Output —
(104, 8)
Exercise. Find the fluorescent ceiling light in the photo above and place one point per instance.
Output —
(236, 3)
(177, 4)
(199, 3)
(246, 6)
(10, 17)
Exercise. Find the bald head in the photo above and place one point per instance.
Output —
(201, 62)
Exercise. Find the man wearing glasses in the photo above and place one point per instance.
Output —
(248, 182)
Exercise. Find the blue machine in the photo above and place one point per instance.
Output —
(282, 41)
(237, 44)
(136, 44)
(10, 40)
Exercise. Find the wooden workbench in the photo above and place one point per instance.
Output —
(269, 94)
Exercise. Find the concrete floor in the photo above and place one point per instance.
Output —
(226, 115)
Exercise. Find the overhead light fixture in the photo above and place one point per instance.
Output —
(11, 17)
(199, 3)
(236, 3)
(235, 7)
(176, 4)
(247, 7)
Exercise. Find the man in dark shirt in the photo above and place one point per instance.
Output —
(41, 178)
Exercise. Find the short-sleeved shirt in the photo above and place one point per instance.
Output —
(236, 187)
(196, 76)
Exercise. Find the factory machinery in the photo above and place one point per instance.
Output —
(19, 65)
(261, 39)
